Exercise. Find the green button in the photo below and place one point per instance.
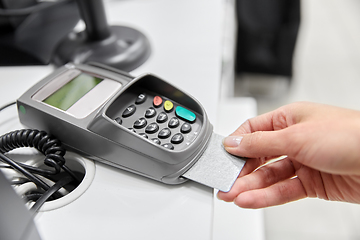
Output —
(185, 114)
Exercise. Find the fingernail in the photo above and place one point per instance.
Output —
(232, 141)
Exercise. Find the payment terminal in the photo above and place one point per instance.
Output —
(140, 124)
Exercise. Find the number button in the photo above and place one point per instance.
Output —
(156, 140)
(162, 117)
(177, 138)
(140, 123)
(143, 135)
(140, 99)
(164, 133)
(174, 122)
(168, 146)
(152, 128)
(150, 112)
(118, 120)
(185, 128)
(130, 110)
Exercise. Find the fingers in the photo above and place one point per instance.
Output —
(253, 163)
(278, 119)
(263, 177)
(263, 122)
(277, 194)
(269, 134)
(264, 143)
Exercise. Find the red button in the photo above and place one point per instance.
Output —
(157, 101)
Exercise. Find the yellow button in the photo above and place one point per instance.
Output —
(168, 105)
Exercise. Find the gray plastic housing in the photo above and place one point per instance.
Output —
(99, 137)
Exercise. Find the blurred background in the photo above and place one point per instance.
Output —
(286, 51)
(325, 62)
(325, 69)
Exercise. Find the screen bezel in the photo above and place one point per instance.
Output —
(89, 102)
(72, 91)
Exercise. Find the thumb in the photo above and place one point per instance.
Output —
(259, 144)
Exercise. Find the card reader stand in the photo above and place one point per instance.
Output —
(117, 46)
(33, 40)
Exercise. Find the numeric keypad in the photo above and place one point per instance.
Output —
(166, 128)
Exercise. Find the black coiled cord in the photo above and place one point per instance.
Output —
(46, 144)
(54, 157)
(54, 153)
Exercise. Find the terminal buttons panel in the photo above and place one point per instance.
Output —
(159, 119)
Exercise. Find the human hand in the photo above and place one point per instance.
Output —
(322, 148)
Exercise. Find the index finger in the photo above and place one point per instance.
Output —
(274, 120)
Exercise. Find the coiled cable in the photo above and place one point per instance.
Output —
(54, 158)
(26, 173)
(46, 144)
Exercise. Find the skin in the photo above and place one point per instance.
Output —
(320, 145)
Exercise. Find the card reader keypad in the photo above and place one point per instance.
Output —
(160, 120)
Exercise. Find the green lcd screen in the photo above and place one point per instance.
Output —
(72, 91)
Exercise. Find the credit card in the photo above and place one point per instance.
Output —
(216, 168)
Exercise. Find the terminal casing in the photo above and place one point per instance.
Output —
(100, 137)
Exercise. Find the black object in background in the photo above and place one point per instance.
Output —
(39, 33)
(120, 47)
(30, 31)
(267, 33)
(16, 222)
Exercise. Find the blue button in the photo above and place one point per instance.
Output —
(185, 114)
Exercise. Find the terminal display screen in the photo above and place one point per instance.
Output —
(72, 91)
